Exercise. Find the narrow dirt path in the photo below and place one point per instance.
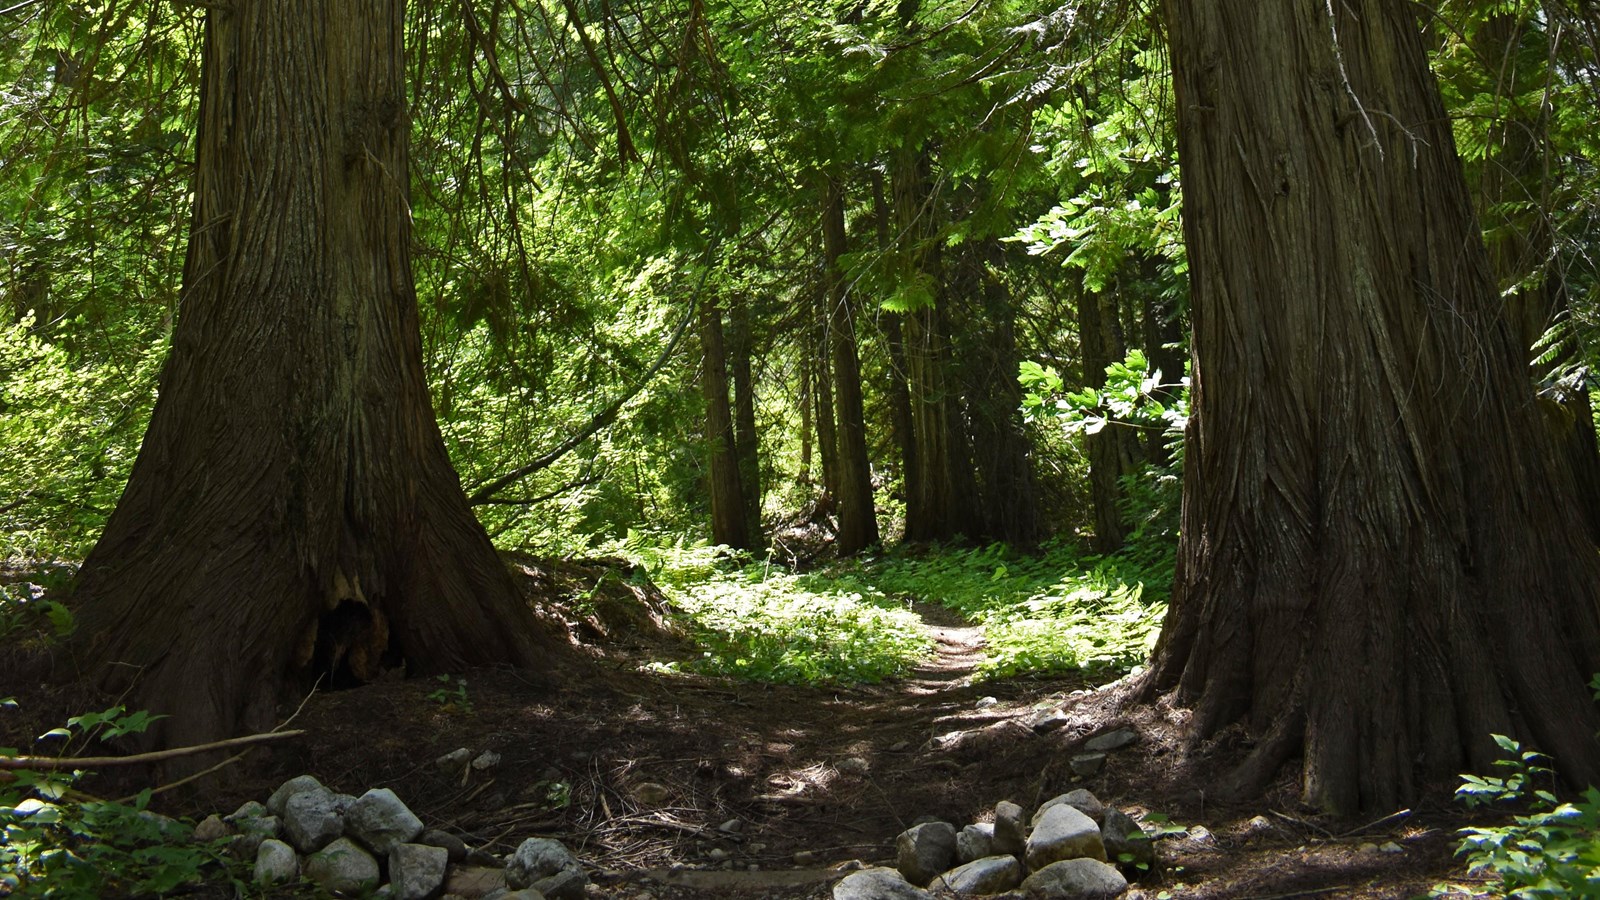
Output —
(958, 651)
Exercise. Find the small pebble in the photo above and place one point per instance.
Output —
(486, 760)
(805, 858)
(718, 854)
(732, 826)
(986, 702)
(1391, 847)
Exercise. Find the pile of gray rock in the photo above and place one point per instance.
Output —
(1072, 848)
(374, 846)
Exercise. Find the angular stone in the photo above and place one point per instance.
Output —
(279, 801)
(1126, 843)
(211, 828)
(989, 875)
(1063, 833)
(380, 821)
(548, 867)
(276, 863)
(1010, 834)
(311, 820)
(1081, 800)
(486, 760)
(1087, 764)
(1076, 879)
(343, 867)
(416, 871)
(975, 842)
(1111, 740)
(1050, 721)
(454, 846)
(925, 851)
(878, 884)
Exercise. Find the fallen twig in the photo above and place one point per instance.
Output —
(57, 763)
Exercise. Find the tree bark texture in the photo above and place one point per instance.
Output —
(894, 340)
(727, 496)
(858, 518)
(1513, 199)
(822, 393)
(1381, 564)
(939, 486)
(746, 440)
(292, 512)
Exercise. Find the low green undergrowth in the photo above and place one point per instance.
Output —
(1056, 611)
(1053, 612)
(761, 623)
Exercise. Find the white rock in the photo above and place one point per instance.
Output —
(379, 820)
(486, 760)
(548, 867)
(975, 842)
(924, 851)
(311, 820)
(877, 884)
(276, 863)
(989, 875)
(343, 867)
(732, 826)
(1076, 879)
(416, 871)
(1010, 834)
(1081, 800)
(279, 801)
(1063, 833)
(986, 702)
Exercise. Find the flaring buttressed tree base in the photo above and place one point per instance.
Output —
(1382, 562)
(293, 512)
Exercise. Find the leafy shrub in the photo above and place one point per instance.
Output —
(1553, 850)
(57, 845)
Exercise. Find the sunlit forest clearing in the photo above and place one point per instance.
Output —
(574, 448)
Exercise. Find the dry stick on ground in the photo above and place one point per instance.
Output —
(58, 763)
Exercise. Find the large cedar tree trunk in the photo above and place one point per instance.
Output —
(1380, 563)
(292, 512)
(858, 518)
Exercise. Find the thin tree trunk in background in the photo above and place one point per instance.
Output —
(1000, 448)
(894, 338)
(746, 440)
(806, 404)
(939, 502)
(858, 518)
(827, 432)
(1112, 449)
(292, 513)
(727, 498)
(1381, 563)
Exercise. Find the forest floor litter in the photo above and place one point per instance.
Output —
(672, 785)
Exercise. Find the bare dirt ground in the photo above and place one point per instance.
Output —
(831, 774)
